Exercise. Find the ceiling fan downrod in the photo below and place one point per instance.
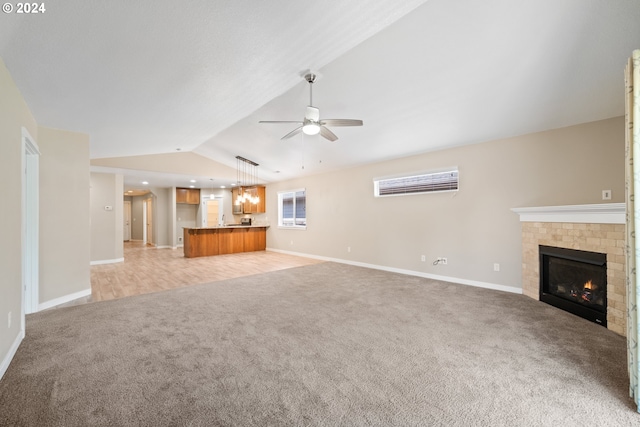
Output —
(310, 78)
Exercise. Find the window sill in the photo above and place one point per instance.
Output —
(292, 227)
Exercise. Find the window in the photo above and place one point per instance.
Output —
(417, 184)
(292, 209)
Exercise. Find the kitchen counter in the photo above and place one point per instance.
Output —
(225, 226)
(220, 240)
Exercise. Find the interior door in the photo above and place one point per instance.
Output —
(127, 221)
(212, 213)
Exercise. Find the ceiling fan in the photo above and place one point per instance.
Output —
(312, 123)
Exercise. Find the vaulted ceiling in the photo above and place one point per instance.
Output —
(155, 77)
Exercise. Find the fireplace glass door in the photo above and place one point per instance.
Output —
(575, 281)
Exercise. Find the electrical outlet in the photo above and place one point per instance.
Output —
(292, 243)
(423, 258)
(348, 248)
(496, 267)
(179, 239)
(606, 194)
(9, 320)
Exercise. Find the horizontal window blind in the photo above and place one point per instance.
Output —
(417, 184)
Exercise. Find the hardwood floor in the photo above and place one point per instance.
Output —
(146, 269)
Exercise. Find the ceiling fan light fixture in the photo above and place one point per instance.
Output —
(312, 124)
(311, 129)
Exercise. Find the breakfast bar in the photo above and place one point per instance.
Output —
(208, 241)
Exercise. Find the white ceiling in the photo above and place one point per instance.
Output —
(155, 76)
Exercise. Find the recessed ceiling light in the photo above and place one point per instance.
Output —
(222, 186)
(145, 183)
(193, 180)
(130, 191)
(192, 186)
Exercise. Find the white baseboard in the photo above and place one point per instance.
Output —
(478, 284)
(164, 247)
(107, 261)
(63, 300)
(12, 352)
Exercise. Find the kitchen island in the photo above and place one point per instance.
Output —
(208, 241)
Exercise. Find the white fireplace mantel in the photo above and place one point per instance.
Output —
(605, 213)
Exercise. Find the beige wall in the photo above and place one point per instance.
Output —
(64, 213)
(474, 228)
(63, 216)
(106, 225)
(14, 115)
(163, 211)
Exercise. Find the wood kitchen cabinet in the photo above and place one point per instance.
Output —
(255, 239)
(223, 240)
(230, 240)
(190, 196)
(247, 207)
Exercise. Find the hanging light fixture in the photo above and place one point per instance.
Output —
(247, 174)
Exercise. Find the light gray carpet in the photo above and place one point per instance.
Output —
(327, 344)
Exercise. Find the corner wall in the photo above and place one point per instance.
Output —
(107, 232)
(14, 114)
(474, 228)
(64, 216)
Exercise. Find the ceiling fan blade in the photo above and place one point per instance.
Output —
(326, 133)
(293, 132)
(280, 121)
(341, 122)
(312, 114)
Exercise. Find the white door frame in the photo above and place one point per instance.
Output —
(144, 221)
(30, 228)
(220, 210)
(150, 230)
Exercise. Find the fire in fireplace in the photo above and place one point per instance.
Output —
(575, 281)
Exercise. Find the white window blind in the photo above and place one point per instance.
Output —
(417, 184)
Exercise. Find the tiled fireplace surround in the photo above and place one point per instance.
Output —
(595, 228)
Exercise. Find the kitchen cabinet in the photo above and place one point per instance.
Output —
(223, 240)
(247, 207)
(230, 240)
(255, 239)
(190, 196)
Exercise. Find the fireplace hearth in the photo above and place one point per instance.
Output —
(574, 281)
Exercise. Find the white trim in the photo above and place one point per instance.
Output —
(486, 285)
(605, 213)
(65, 299)
(12, 352)
(164, 247)
(30, 225)
(107, 261)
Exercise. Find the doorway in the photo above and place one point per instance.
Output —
(213, 208)
(147, 218)
(127, 221)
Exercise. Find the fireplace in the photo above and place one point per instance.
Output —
(574, 281)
